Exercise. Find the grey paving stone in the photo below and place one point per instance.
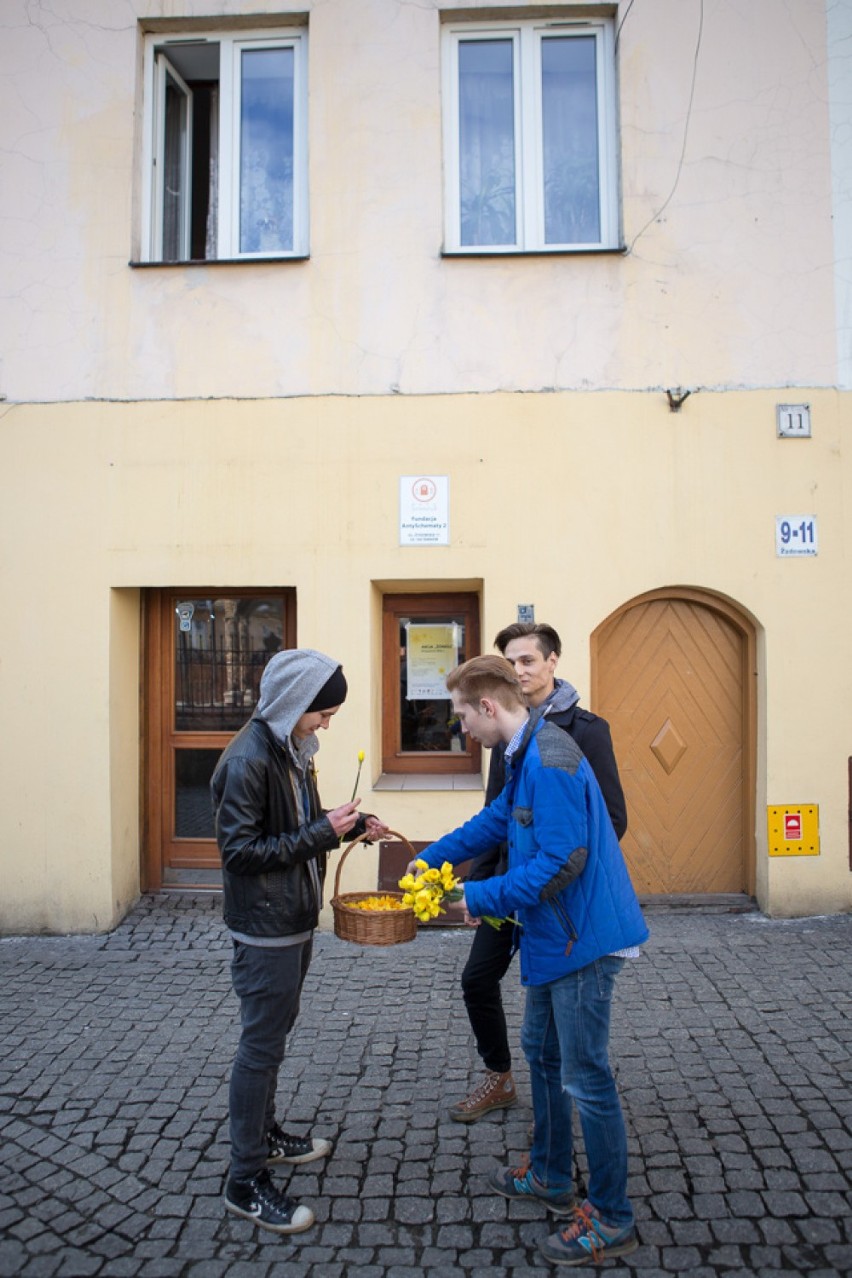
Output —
(729, 1036)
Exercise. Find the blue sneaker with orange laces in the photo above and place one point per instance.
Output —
(519, 1182)
(588, 1241)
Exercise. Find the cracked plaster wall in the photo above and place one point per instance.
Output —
(726, 127)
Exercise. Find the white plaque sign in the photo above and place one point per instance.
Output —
(796, 535)
(424, 510)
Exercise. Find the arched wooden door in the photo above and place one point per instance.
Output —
(673, 672)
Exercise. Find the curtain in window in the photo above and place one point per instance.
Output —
(266, 150)
(211, 239)
(570, 137)
(487, 142)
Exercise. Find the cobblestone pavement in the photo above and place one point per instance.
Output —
(732, 1036)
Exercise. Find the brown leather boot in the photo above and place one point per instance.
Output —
(496, 1091)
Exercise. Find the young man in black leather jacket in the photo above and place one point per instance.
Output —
(274, 838)
(534, 650)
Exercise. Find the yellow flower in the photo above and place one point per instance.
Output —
(378, 903)
(429, 891)
(357, 775)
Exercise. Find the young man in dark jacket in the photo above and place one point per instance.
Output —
(274, 838)
(534, 650)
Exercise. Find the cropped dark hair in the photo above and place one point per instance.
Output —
(487, 676)
(546, 637)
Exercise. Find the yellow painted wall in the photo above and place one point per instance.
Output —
(572, 502)
(247, 424)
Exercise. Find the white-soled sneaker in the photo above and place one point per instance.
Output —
(260, 1200)
(284, 1148)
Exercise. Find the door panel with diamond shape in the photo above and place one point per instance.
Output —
(672, 677)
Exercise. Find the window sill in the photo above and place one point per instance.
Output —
(224, 261)
(428, 781)
(617, 251)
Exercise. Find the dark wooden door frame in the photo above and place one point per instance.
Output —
(158, 699)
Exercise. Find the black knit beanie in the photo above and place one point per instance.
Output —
(332, 693)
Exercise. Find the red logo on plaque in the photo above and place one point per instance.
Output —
(792, 825)
(424, 490)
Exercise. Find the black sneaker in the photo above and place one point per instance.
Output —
(260, 1200)
(294, 1149)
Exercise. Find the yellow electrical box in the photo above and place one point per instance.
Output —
(793, 829)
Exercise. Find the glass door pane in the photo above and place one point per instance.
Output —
(221, 648)
(193, 809)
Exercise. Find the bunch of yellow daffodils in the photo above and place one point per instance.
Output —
(426, 890)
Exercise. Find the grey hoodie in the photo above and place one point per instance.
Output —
(288, 685)
(563, 697)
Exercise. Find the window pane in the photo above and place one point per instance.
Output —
(221, 648)
(570, 127)
(429, 648)
(487, 142)
(193, 809)
(175, 174)
(266, 150)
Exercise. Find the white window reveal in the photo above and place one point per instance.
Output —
(225, 146)
(530, 137)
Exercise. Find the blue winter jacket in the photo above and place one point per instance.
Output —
(567, 879)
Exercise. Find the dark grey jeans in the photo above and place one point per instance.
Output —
(268, 982)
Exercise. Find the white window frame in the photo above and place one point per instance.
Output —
(527, 39)
(231, 46)
(163, 71)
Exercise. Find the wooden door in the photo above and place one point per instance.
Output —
(673, 672)
(205, 651)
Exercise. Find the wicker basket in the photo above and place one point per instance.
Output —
(371, 927)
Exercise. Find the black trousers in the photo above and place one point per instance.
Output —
(487, 964)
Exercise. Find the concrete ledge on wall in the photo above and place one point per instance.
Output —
(427, 781)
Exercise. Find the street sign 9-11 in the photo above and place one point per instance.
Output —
(795, 535)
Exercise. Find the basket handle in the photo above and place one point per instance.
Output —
(360, 839)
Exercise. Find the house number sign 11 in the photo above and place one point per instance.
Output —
(796, 535)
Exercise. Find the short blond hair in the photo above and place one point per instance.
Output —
(488, 676)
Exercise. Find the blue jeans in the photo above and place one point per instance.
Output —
(565, 1037)
(268, 982)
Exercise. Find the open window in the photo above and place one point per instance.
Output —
(424, 637)
(225, 146)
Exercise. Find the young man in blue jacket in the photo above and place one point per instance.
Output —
(534, 649)
(579, 919)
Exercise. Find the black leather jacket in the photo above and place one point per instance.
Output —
(269, 889)
(594, 738)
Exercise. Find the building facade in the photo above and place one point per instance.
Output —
(364, 327)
